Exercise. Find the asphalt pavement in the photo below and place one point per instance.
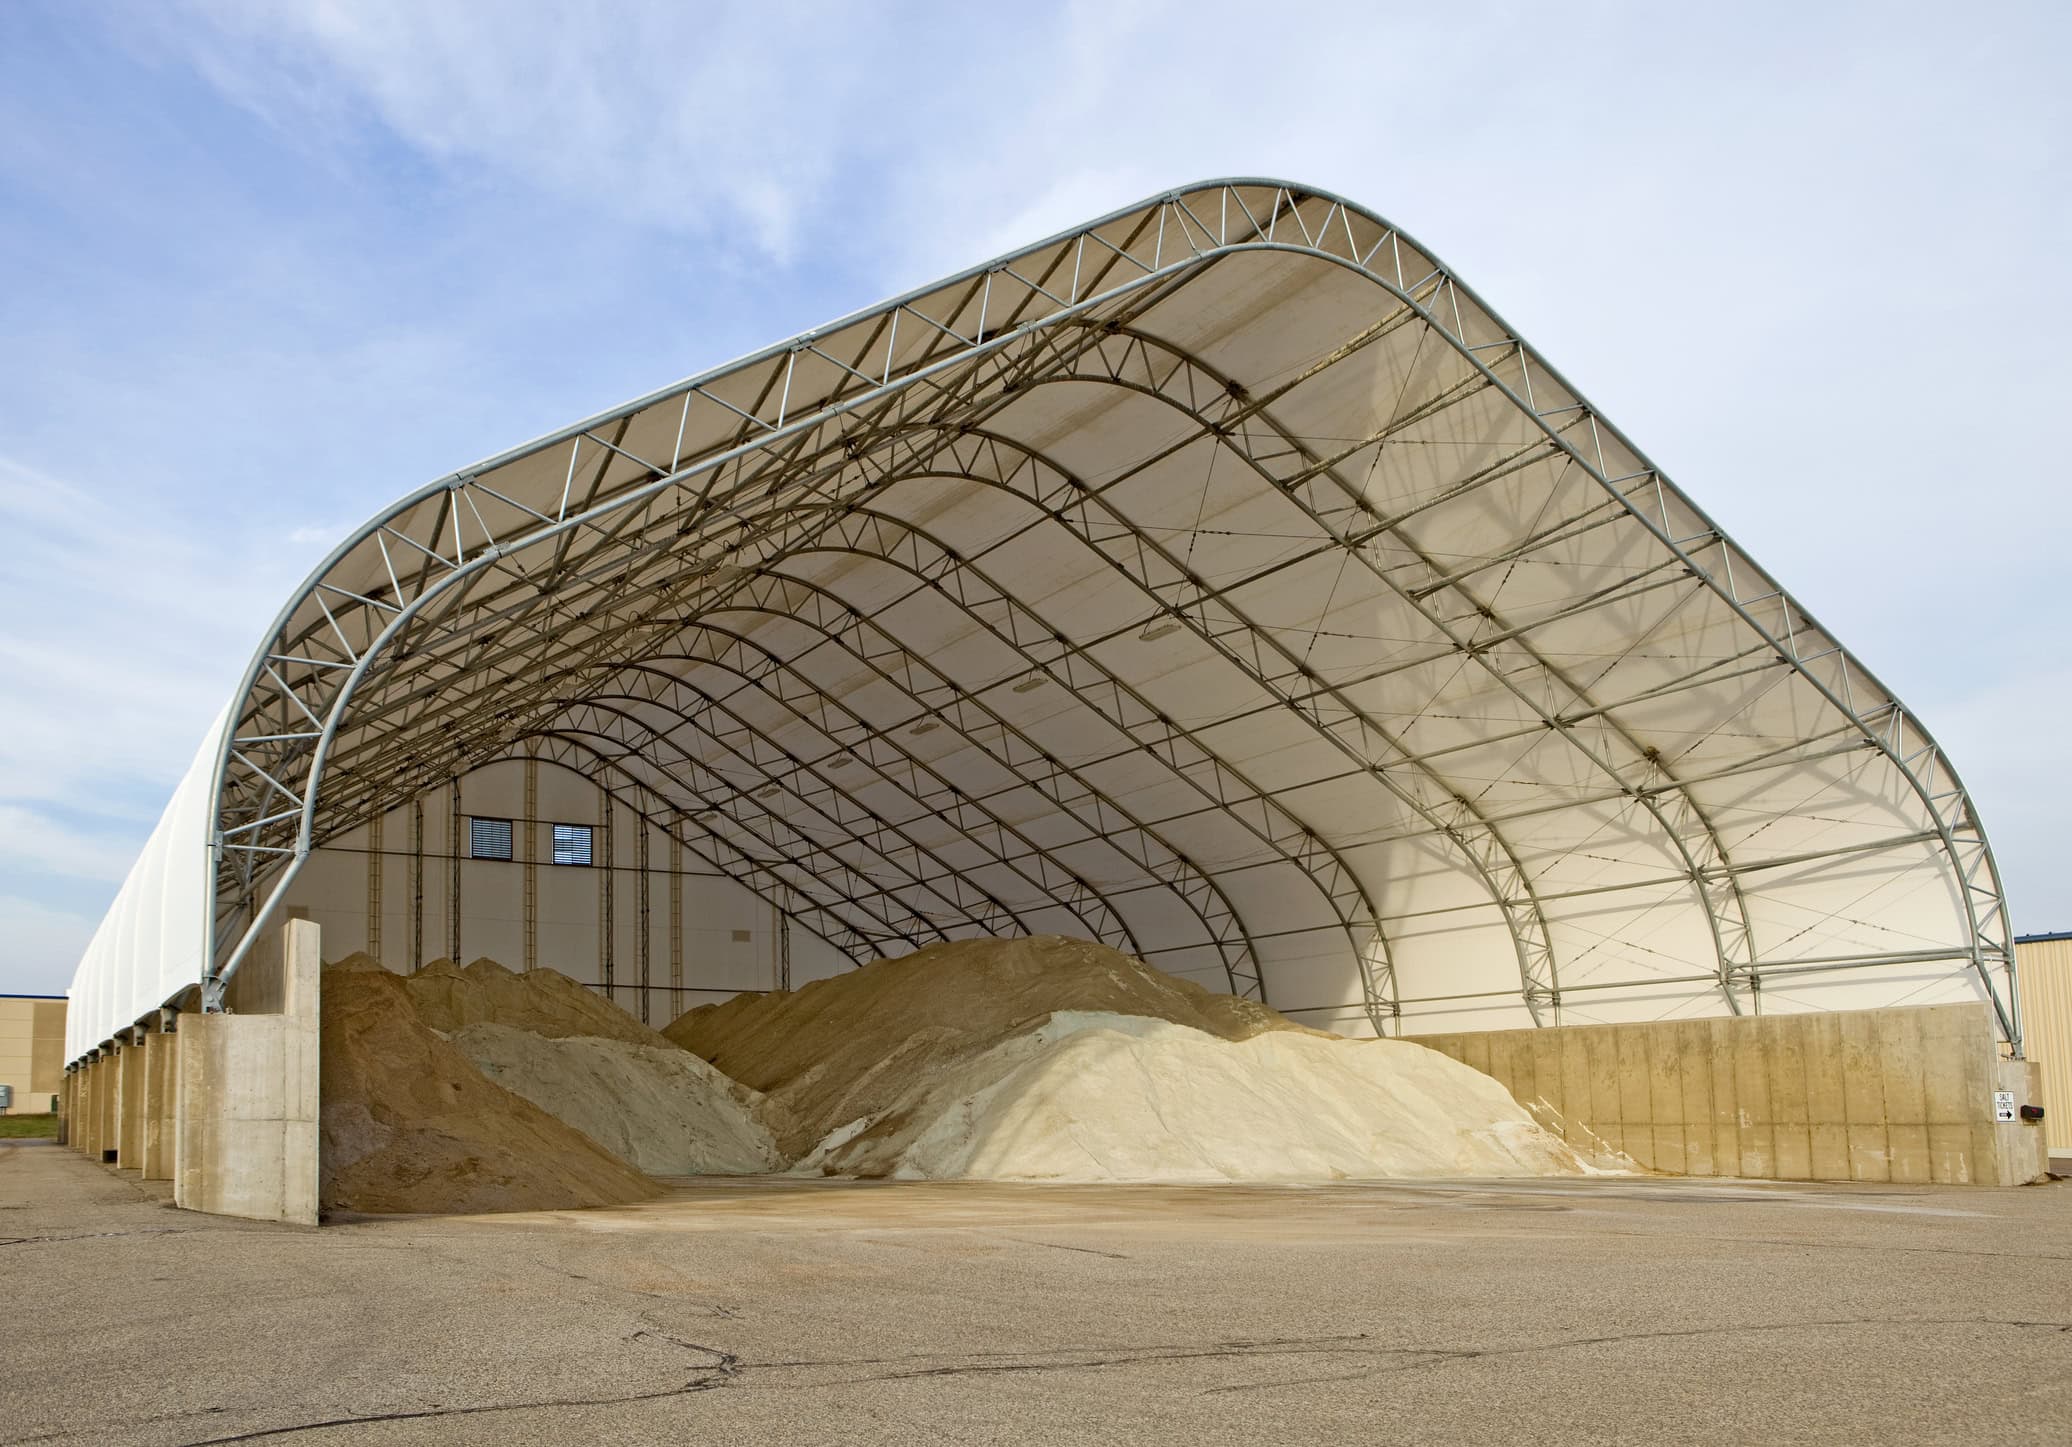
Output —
(780, 1311)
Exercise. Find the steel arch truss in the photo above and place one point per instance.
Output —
(705, 599)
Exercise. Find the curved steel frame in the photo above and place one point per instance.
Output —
(468, 606)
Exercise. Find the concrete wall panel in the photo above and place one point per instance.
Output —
(246, 1143)
(1900, 1095)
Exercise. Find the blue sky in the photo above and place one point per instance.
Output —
(270, 265)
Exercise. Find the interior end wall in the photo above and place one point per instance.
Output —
(665, 931)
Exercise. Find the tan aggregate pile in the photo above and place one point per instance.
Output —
(659, 1108)
(843, 1048)
(409, 1124)
(1102, 1097)
(1058, 1059)
(546, 1002)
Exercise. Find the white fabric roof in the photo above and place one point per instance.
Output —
(147, 949)
(1221, 579)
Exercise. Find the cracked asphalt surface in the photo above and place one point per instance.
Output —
(771, 1310)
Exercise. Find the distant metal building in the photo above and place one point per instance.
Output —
(2045, 963)
(32, 1051)
(1222, 580)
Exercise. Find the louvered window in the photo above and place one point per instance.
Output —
(489, 838)
(571, 843)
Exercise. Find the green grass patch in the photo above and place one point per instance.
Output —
(28, 1127)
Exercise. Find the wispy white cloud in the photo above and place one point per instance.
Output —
(718, 120)
(318, 534)
(30, 841)
(131, 630)
(140, 631)
(43, 944)
(2015, 764)
(1728, 241)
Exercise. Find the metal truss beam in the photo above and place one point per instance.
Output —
(910, 905)
(769, 766)
(488, 581)
(1243, 425)
(775, 877)
(1174, 589)
(867, 642)
(867, 533)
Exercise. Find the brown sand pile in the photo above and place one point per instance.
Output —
(842, 1049)
(546, 1002)
(409, 1124)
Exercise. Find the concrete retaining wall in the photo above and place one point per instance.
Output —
(223, 1106)
(246, 1144)
(1902, 1095)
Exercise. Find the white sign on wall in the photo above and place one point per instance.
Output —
(2003, 1105)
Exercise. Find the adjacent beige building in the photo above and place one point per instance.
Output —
(32, 1050)
(2044, 964)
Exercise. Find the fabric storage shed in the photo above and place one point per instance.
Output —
(1221, 580)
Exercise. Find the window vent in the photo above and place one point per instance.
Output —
(571, 843)
(489, 838)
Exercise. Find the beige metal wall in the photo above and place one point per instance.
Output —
(661, 927)
(2044, 967)
(1900, 1095)
(32, 1050)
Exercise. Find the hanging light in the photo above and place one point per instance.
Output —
(1030, 684)
(1158, 628)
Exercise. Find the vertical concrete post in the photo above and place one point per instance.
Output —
(129, 1107)
(106, 1097)
(2021, 1150)
(83, 1109)
(161, 1116)
(246, 1142)
(97, 1103)
(89, 1109)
